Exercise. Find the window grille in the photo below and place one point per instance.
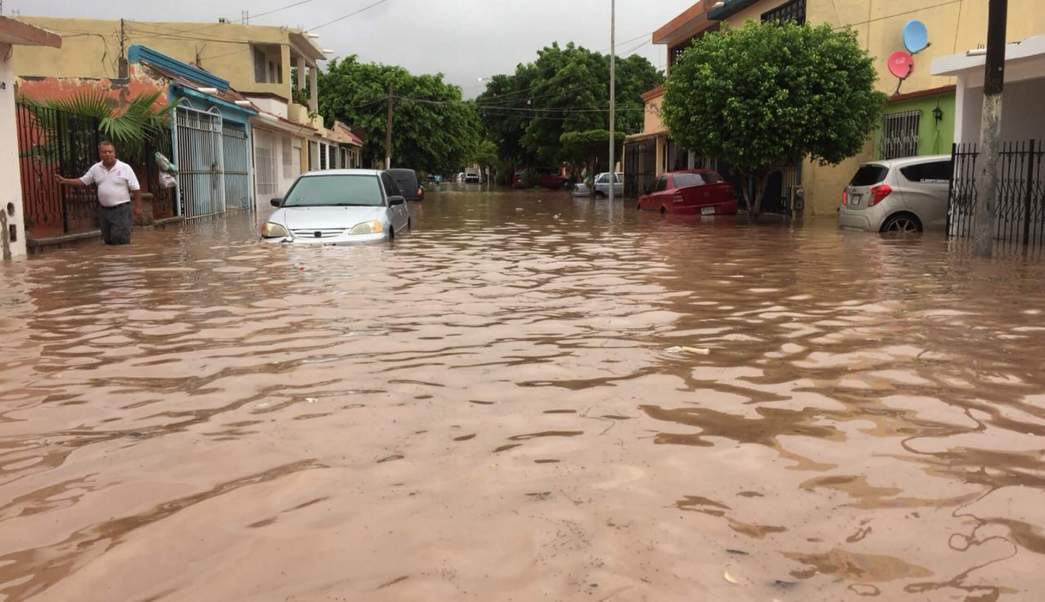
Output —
(792, 11)
(900, 134)
(266, 172)
(288, 160)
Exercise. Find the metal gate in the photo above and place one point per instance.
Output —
(640, 167)
(201, 161)
(237, 167)
(1019, 199)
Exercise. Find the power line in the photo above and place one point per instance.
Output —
(349, 15)
(280, 9)
(901, 14)
(228, 20)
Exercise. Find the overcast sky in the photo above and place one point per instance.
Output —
(465, 39)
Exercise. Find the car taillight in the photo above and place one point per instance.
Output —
(879, 194)
(845, 198)
(420, 192)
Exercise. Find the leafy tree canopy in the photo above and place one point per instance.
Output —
(565, 90)
(434, 129)
(768, 93)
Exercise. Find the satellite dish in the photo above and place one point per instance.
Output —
(901, 64)
(915, 37)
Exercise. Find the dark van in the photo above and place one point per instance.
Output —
(408, 184)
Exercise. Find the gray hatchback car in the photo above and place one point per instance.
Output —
(898, 195)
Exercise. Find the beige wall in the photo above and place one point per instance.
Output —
(953, 28)
(653, 120)
(91, 48)
(9, 167)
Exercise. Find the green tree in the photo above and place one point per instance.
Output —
(565, 90)
(434, 129)
(767, 94)
(583, 150)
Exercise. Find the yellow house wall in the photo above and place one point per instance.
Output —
(653, 120)
(91, 48)
(953, 28)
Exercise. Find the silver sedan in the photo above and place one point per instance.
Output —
(339, 207)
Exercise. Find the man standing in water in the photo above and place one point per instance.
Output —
(116, 185)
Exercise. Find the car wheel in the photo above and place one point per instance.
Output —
(409, 224)
(391, 234)
(663, 210)
(902, 223)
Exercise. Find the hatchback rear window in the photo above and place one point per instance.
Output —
(869, 175)
(407, 180)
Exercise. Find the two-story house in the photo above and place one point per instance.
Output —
(920, 116)
(275, 68)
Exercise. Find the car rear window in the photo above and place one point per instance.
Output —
(869, 175)
(407, 180)
(938, 172)
(335, 190)
(685, 180)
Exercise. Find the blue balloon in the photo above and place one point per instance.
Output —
(916, 37)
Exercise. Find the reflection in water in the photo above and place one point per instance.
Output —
(529, 396)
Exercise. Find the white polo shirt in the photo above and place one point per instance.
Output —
(114, 185)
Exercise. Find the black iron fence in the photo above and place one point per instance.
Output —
(1019, 197)
(53, 142)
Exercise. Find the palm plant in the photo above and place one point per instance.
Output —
(129, 128)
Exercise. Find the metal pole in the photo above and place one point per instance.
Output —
(388, 129)
(613, 102)
(990, 130)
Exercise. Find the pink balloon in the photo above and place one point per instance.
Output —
(901, 64)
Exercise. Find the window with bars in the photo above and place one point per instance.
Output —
(900, 134)
(792, 11)
(676, 51)
(266, 172)
(288, 159)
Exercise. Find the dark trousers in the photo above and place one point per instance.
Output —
(115, 223)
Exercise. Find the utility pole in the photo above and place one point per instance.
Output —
(245, 17)
(388, 128)
(121, 71)
(990, 130)
(613, 103)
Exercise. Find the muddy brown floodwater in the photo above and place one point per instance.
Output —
(528, 398)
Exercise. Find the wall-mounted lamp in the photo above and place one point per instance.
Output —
(938, 114)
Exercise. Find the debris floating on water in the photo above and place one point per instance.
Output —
(690, 350)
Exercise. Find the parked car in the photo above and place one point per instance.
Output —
(473, 176)
(553, 181)
(338, 207)
(691, 192)
(602, 185)
(408, 184)
(899, 195)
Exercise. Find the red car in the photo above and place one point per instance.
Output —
(691, 192)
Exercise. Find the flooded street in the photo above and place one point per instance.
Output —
(529, 397)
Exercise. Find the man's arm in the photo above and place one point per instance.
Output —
(135, 187)
(74, 182)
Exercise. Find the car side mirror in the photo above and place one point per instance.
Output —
(277, 203)
(396, 200)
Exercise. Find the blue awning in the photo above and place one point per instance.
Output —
(229, 111)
